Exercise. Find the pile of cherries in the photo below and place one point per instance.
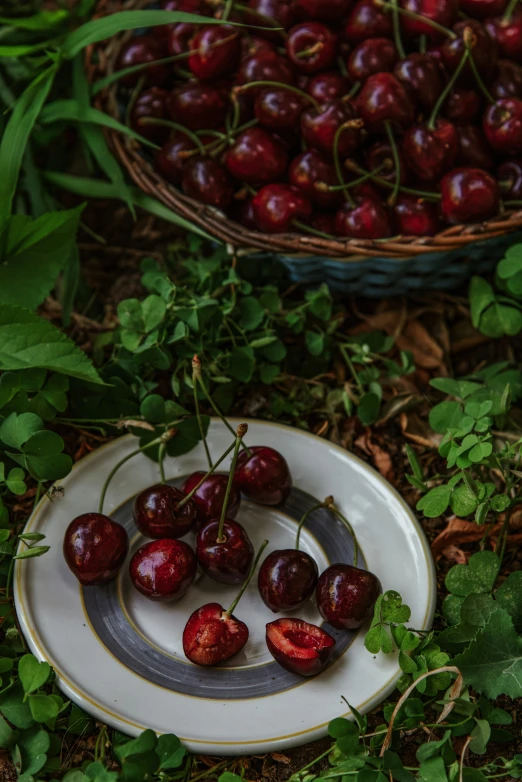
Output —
(351, 118)
(95, 548)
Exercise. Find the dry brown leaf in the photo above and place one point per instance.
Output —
(281, 758)
(459, 531)
(409, 335)
(417, 429)
(456, 555)
(380, 458)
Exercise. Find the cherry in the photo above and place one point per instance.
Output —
(280, 12)
(139, 50)
(468, 195)
(311, 47)
(325, 10)
(473, 150)
(380, 157)
(287, 578)
(346, 596)
(210, 496)
(179, 38)
(443, 12)
(508, 83)
(367, 218)
(502, 125)
(206, 180)
(323, 222)
(278, 109)
(415, 216)
(95, 547)
(256, 157)
(254, 45)
(216, 51)
(265, 66)
(508, 34)
(367, 20)
(509, 175)
(319, 127)
(421, 74)
(243, 212)
(372, 56)
(262, 475)
(384, 98)
(150, 103)
(484, 51)
(163, 569)
(299, 646)
(198, 106)
(229, 561)
(168, 161)
(462, 105)
(327, 86)
(430, 151)
(311, 167)
(156, 512)
(482, 9)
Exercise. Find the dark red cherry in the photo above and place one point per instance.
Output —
(139, 50)
(276, 207)
(484, 52)
(243, 212)
(311, 47)
(325, 10)
(263, 476)
(254, 45)
(473, 149)
(508, 34)
(384, 99)
(509, 177)
(508, 82)
(469, 195)
(168, 161)
(156, 512)
(415, 216)
(207, 181)
(368, 219)
(163, 569)
(482, 9)
(367, 20)
(212, 635)
(319, 127)
(462, 105)
(380, 157)
(346, 596)
(430, 152)
(279, 110)
(324, 222)
(265, 66)
(210, 496)
(227, 562)
(198, 106)
(257, 157)
(299, 646)
(327, 86)
(216, 51)
(279, 12)
(502, 125)
(152, 103)
(286, 579)
(372, 56)
(179, 38)
(421, 74)
(95, 547)
(309, 168)
(443, 12)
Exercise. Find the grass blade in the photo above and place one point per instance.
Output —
(43, 20)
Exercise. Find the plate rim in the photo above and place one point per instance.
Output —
(224, 747)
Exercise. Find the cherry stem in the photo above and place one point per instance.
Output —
(161, 461)
(423, 43)
(303, 520)
(512, 203)
(213, 146)
(337, 165)
(508, 13)
(389, 6)
(207, 475)
(167, 123)
(228, 8)
(397, 29)
(446, 91)
(329, 504)
(353, 91)
(478, 78)
(290, 87)
(324, 188)
(308, 229)
(233, 606)
(384, 182)
(396, 162)
(196, 374)
(163, 439)
(242, 429)
(132, 100)
(316, 47)
(271, 22)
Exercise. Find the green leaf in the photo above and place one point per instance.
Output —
(153, 309)
(481, 296)
(315, 342)
(17, 429)
(29, 341)
(80, 723)
(33, 674)
(14, 709)
(8, 736)
(146, 742)
(44, 443)
(392, 609)
(477, 576)
(431, 749)
(227, 776)
(341, 727)
(34, 744)
(435, 502)
(459, 388)
(368, 408)
(43, 708)
(252, 313)
(500, 320)
(153, 409)
(463, 501)
(414, 463)
(509, 597)
(170, 751)
(241, 364)
(433, 770)
(33, 551)
(444, 416)
(378, 640)
(500, 502)
(480, 736)
(511, 264)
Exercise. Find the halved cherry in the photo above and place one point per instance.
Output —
(299, 646)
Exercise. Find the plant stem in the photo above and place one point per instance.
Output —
(397, 30)
(167, 123)
(242, 429)
(228, 8)
(396, 162)
(310, 230)
(161, 460)
(196, 375)
(470, 41)
(337, 164)
(445, 92)
(303, 520)
(384, 182)
(313, 762)
(389, 6)
(329, 503)
(508, 13)
(268, 83)
(233, 605)
(207, 475)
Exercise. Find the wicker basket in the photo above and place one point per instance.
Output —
(367, 267)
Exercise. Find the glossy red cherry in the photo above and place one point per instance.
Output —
(508, 34)
(346, 596)
(299, 646)
(207, 181)
(509, 176)
(265, 66)
(287, 579)
(139, 50)
(216, 51)
(380, 157)
(179, 38)
(210, 496)
(243, 212)
(163, 569)
(443, 12)
(415, 216)
(256, 157)
(367, 20)
(473, 149)
(276, 207)
(309, 168)
(279, 12)
(484, 52)
(421, 74)
(156, 512)
(469, 195)
(482, 9)
(168, 161)
(384, 99)
(255, 45)
(325, 10)
(227, 562)
(95, 547)
(508, 82)
(372, 56)
(368, 219)
(263, 476)
(319, 127)
(311, 47)
(502, 124)
(462, 105)
(198, 106)
(212, 635)
(430, 152)
(151, 103)
(327, 86)
(279, 110)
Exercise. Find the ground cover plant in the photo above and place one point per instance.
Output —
(428, 390)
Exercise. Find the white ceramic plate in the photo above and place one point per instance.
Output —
(119, 656)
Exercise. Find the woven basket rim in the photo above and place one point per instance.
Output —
(100, 60)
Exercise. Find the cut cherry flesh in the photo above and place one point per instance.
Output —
(210, 496)
(287, 579)
(163, 569)
(95, 547)
(299, 646)
(156, 513)
(262, 475)
(346, 596)
(212, 636)
(229, 561)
